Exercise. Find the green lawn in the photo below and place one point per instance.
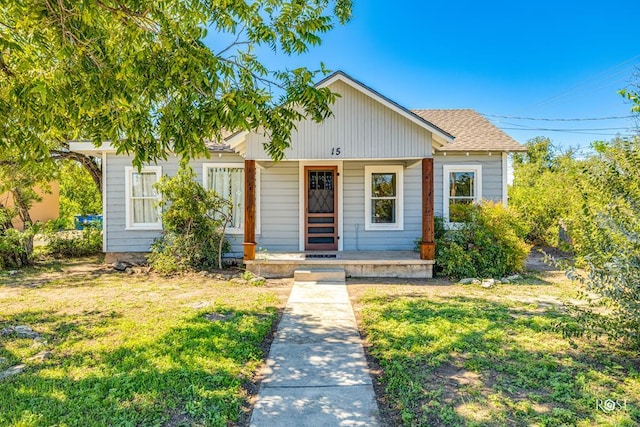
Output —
(131, 349)
(464, 355)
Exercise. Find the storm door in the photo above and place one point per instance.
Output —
(321, 210)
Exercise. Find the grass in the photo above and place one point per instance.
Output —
(467, 356)
(131, 349)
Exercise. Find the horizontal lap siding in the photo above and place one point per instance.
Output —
(360, 127)
(355, 235)
(491, 175)
(279, 207)
(121, 240)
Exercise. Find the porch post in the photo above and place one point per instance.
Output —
(428, 246)
(249, 243)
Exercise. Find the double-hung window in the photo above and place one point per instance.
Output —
(227, 180)
(462, 187)
(141, 203)
(384, 197)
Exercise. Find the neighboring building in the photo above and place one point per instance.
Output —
(368, 179)
(46, 209)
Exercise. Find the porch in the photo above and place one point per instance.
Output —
(399, 264)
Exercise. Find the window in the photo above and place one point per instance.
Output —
(142, 210)
(462, 187)
(227, 180)
(383, 203)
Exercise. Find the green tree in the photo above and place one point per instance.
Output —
(78, 194)
(610, 239)
(544, 191)
(139, 73)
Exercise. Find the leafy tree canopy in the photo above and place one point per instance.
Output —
(138, 73)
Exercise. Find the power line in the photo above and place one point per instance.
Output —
(588, 84)
(584, 119)
(574, 131)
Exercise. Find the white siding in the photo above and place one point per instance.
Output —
(121, 240)
(491, 175)
(361, 127)
(279, 207)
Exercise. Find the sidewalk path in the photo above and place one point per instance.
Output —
(316, 372)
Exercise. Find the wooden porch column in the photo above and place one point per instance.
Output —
(249, 243)
(428, 246)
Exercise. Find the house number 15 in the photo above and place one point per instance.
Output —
(335, 151)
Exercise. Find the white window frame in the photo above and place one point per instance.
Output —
(130, 225)
(446, 184)
(368, 172)
(236, 230)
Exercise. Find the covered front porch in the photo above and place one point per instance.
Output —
(400, 264)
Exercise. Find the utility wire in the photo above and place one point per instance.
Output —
(588, 84)
(584, 119)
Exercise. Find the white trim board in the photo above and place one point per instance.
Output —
(301, 193)
(129, 224)
(446, 170)
(238, 165)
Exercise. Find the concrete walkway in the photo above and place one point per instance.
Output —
(316, 373)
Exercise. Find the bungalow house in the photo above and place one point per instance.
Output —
(356, 190)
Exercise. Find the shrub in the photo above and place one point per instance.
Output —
(15, 248)
(194, 220)
(73, 244)
(487, 244)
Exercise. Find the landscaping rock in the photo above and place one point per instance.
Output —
(39, 341)
(469, 281)
(120, 266)
(24, 331)
(14, 370)
(40, 357)
(6, 331)
(488, 283)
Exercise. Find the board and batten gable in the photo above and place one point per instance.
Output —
(119, 238)
(492, 175)
(360, 128)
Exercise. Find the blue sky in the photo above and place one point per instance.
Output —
(542, 59)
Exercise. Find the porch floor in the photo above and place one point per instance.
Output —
(400, 264)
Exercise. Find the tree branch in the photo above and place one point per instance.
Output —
(86, 161)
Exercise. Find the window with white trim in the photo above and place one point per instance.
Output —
(384, 197)
(227, 180)
(462, 187)
(141, 203)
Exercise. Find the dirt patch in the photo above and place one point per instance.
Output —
(545, 258)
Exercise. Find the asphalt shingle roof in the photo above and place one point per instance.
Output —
(471, 130)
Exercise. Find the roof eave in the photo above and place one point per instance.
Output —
(440, 136)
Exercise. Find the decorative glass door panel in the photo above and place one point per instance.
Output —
(321, 219)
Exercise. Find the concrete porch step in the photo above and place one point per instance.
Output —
(320, 275)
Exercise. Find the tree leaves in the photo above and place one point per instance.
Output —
(138, 73)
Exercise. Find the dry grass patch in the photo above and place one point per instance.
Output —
(451, 355)
(131, 349)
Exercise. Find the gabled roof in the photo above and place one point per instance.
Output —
(472, 131)
(440, 136)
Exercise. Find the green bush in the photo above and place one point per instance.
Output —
(194, 223)
(71, 244)
(487, 244)
(15, 248)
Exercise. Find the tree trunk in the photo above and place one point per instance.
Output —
(88, 162)
(23, 209)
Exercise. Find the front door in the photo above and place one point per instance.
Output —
(321, 210)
